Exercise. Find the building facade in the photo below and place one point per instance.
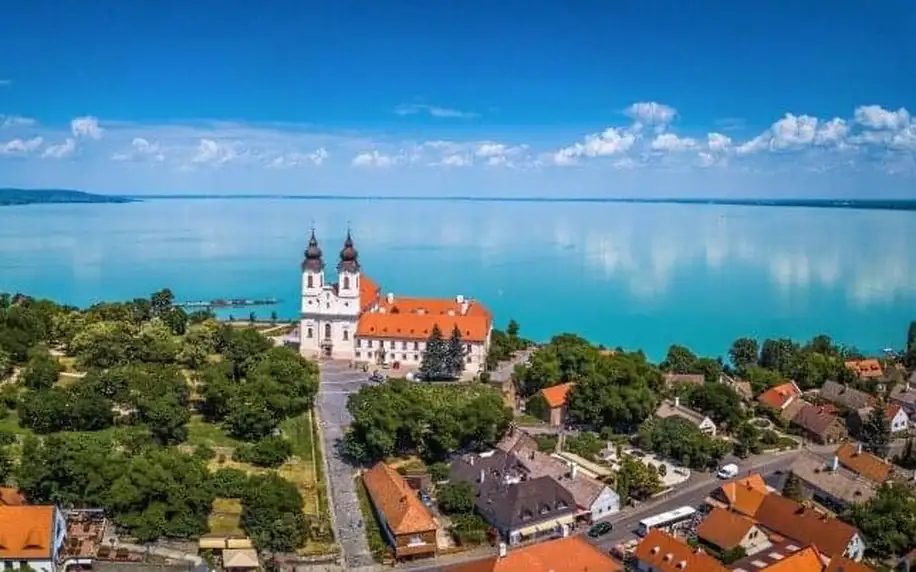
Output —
(351, 320)
(32, 535)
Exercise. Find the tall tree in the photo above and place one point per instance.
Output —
(455, 354)
(792, 489)
(42, 369)
(876, 431)
(744, 352)
(161, 301)
(679, 360)
(434, 363)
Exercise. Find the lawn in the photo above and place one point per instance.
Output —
(202, 433)
(225, 517)
(10, 424)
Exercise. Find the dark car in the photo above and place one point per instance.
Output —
(600, 529)
(376, 377)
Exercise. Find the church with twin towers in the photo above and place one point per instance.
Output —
(351, 319)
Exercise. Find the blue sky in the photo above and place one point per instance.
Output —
(582, 98)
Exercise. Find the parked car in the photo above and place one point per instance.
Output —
(376, 377)
(729, 471)
(600, 529)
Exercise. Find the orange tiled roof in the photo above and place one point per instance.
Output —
(807, 526)
(668, 554)
(843, 564)
(418, 326)
(440, 306)
(869, 466)
(11, 497)
(866, 368)
(25, 532)
(745, 495)
(572, 554)
(556, 395)
(397, 501)
(805, 560)
(368, 292)
(724, 529)
(779, 396)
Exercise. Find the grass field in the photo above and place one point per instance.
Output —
(202, 433)
(225, 516)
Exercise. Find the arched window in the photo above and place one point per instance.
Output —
(327, 330)
(346, 282)
(308, 333)
(346, 335)
(311, 281)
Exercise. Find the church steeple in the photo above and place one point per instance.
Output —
(349, 257)
(313, 255)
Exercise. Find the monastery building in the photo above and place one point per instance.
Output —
(352, 320)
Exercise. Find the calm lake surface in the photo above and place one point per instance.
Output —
(631, 275)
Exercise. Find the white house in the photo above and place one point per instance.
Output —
(351, 320)
(897, 417)
(33, 535)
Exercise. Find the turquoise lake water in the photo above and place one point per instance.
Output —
(631, 275)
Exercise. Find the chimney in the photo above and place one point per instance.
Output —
(502, 549)
(573, 471)
(858, 448)
(471, 461)
(835, 463)
(390, 297)
(677, 401)
(654, 550)
(483, 475)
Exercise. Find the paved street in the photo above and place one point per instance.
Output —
(337, 382)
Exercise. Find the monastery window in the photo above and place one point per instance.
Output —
(469, 359)
(404, 357)
(403, 345)
(469, 348)
(391, 357)
(308, 333)
(416, 346)
(346, 335)
(346, 283)
(415, 357)
(357, 355)
(310, 281)
(368, 343)
(327, 330)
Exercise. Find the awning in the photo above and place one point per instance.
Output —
(213, 543)
(548, 525)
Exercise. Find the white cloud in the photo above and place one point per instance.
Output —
(21, 146)
(86, 127)
(61, 150)
(670, 142)
(611, 141)
(216, 153)
(500, 154)
(16, 121)
(455, 161)
(876, 117)
(652, 113)
(297, 159)
(718, 142)
(420, 108)
(794, 132)
(141, 149)
(373, 159)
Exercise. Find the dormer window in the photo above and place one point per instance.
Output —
(527, 514)
(561, 505)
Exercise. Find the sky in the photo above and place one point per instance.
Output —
(583, 98)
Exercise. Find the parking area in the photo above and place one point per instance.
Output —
(338, 381)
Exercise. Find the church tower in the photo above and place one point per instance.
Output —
(348, 275)
(312, 286)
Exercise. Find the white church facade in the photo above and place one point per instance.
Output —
(351, 320)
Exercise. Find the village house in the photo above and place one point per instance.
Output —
(661, 552)
(864, 464)
(904, 395)
(739, 386)
(555, 397)
(32, 535)
(672, 379)
(820, 425)
(408, 525)
(784, 399)
(806, 526)
(743, 496)
(675, 409)
(894, 415)
(845, 396)
(572, 554)
(786, 557)
(725, 530)
(520, 507)
(866, 368)
(352, 320)
(830, 484)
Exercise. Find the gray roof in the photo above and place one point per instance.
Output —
(583, 488)
(694, 378)
(845, 396)
(905, 393)
(668, 409)
(840, 484)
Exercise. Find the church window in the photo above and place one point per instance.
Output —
(308, 333)
(346, 281)
(346, 335)
(311, 281)
(327, 330)
(359, 343)
(368, 343)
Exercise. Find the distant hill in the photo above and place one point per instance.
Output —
(9, 197)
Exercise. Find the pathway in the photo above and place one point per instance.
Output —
(338, 381)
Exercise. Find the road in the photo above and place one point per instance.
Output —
(338, 381)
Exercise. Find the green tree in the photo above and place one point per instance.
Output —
(176, 319)
(512, 329)
(161, 302)
(876, 432)
(744, 352)
(635, 480)
(761, 378)
(779, 355)
(434, 365)
(456, 498)
(273, 317)
(718, 401)
(104, 344)
(747, 440)
(268, 452)
(679, 359)
(455, 354)
(887, 520)
(537, 406)
(792, 489)
(681, 440)
(6, 363)
(42, 369)
(155, 343)
(272, 513)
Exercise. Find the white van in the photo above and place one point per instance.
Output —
(729, 471)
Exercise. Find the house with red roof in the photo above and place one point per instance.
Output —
(556, 397)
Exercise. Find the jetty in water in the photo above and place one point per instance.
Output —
(228, 303)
